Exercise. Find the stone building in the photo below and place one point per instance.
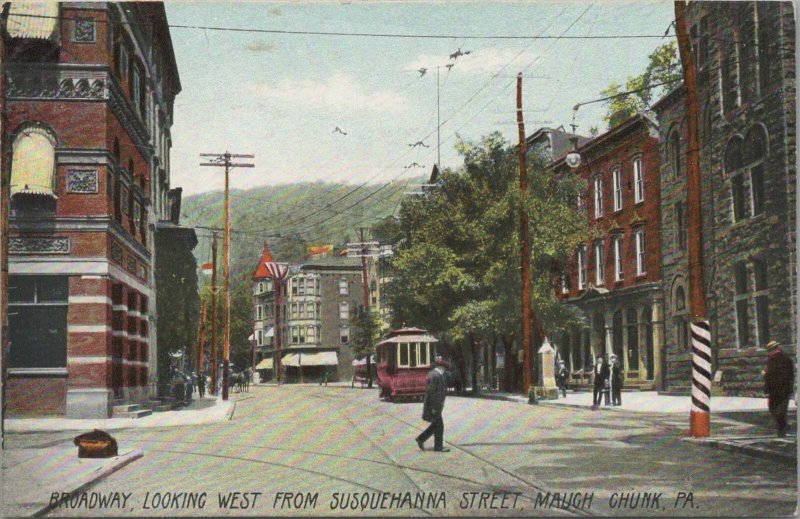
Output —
(320, 297)
(614, 278)
(90, 90)
(745, 64)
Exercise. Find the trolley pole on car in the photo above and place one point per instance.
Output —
(700, 414)
(525, 251)
(224, 160)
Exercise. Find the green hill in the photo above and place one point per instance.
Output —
(290, 217)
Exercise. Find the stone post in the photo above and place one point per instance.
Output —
(546, 383)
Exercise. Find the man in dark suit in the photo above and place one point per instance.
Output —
(600, 379)
(616, 381)
(778, 384)
(435, 393)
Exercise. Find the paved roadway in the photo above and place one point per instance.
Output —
(327, 440)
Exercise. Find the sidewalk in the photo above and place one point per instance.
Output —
(781, 450)
(200, 411)
(32, 476)
(645, 402)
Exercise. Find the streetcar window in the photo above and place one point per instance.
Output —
(423, 354)
(391, 355)
(413, 353)
(403, 355)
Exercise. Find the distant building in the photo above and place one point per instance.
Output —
(90, 89)
(614, 278)
(321, 296)
(744, 54)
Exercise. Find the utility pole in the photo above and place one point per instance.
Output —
(700, 414)
(5, 201)
(200, 338)
(525, 251)
(365, 287)
(224, 160)
(214, 360)
(438, 123)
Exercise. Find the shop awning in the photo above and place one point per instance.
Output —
(33, 163)
(323, 358)
(264, 364)
(34, 20)
(291, 359)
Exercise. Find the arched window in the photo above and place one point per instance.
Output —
(733, 168)
(755, 152)
(675, 152)
(33, 162)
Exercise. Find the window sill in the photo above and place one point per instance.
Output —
(38, 372)
(639, 203)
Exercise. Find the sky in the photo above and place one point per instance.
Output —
(281, 97)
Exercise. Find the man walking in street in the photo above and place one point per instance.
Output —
(435, 392)
(561, 377)
(616, 381)
(201, 384)
(778, 384)
(600, 375)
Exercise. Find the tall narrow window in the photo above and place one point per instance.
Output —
(680, 225)
(762, 300)
(581, 267)
(675, 153)
(754, 154)
(734, 161)
(599, 263)
(740, 298)
(681, 319)
(619, 273)
(344, 311)
(640, 258)
(638, 180)
(617, 179)
(344, 289)
(598, 197)
(766, 43)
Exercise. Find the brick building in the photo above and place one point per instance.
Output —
(319, 299)
(614, 277)
(745, 62)
(90, 90)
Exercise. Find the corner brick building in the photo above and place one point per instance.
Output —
(614, 278)
(744, 54)
(320, 297)
(90, 90)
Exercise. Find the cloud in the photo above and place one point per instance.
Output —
(260, 46)
(480, 61)
(339, 91)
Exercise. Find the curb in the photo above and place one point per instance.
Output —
(742, 449)
(124, 460)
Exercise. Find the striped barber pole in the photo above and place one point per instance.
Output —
(701, 378)
(277, 270)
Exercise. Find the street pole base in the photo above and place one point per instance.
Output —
(699, 424)
(225, 366)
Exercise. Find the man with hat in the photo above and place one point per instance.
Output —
(435, 392)
(778, 384)
(616, 380)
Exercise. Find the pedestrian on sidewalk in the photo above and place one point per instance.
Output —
(600, 375)
(435, 393)
(561, 377)
(778, 384)
(616, 381)
(201, 384)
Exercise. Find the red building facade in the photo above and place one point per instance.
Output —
(614, 277)
(89, 91)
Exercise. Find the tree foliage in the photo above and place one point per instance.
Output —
(663, 67)
(457, 274)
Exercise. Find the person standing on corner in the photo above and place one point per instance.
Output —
(600, 375)
(562, 374)
(778, 384)
(435, 393)
(616, 381)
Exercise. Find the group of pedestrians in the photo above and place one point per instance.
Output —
(607, 381)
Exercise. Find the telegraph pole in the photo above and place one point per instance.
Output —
(700, 415)
(364, 269)
(224, 160)
(5, 201)
(214, 361)
(525, 251)
(200, 338)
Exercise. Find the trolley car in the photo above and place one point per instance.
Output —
(404, 358)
